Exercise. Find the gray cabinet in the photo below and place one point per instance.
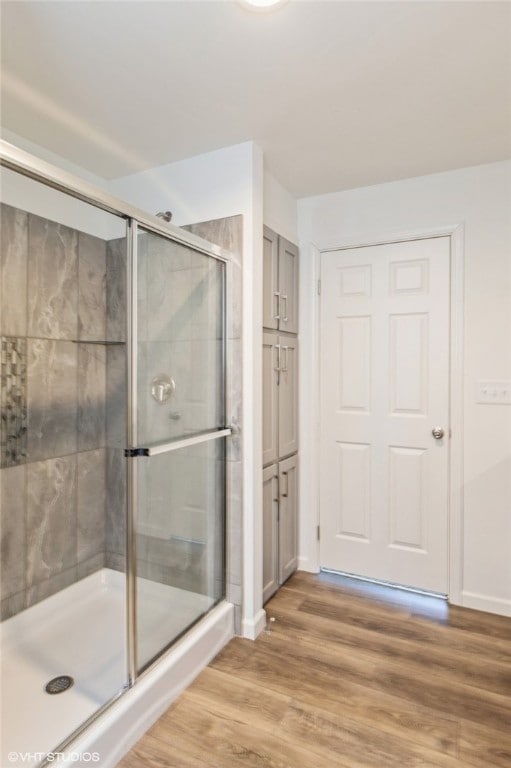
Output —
(270, 531)
(288, 517)
(280, 411)
(270, 398)
(280, 283)
(288, 395)
(280, 534)
(270, 279)
(280, 396)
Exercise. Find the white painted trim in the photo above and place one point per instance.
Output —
(252, 628)
(395, 237)
(486, 603)
(251, 434)
(308, 407)
(456, 234)
(456, 478)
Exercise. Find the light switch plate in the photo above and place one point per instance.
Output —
(493, 392)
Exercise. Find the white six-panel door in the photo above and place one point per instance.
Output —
(384, 388)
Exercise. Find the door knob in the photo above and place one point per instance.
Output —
(437, 433)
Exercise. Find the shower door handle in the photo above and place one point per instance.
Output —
(277, 305)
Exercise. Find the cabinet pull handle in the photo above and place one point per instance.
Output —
(284, 299)
(285, 495)
(284, 365)
(277, 305)
(278, 368)
(278, 348)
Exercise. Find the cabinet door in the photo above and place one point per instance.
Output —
(270, 398)
(270, 531)
(288, 396)
(271, 301)
(288, 286)
(288, 518)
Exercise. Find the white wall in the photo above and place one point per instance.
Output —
(280, 210)
(214, 185)
(480, 198)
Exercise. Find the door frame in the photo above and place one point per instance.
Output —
(310, 559)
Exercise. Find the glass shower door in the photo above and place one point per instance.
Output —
(178, 434)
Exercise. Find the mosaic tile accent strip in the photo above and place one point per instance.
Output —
(13, 400)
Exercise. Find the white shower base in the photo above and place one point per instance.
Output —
(80, 632)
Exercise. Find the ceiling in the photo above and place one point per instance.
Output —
(338, 94)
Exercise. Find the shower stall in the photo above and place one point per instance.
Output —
(114, 441)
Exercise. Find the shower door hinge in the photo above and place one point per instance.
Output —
(319, 287)
(317, 532)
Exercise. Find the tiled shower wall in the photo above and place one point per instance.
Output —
(53, 407)
(62, 476)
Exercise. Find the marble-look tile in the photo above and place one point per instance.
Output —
(234, 398)
(52, 280)
(52, 398)
(12, 531)
(93, 564)
(91, 396)
(182, 492)
(226, 232)
(91, 287)
(234, 300)
(50, 586)
(91, 493)
(116, 290)
(13, 255)
(116, 407)
(116, 501)
(185, 304)
(13, 401)
(115, 561)
(197, 402)
(51, 519)
(175, 562)
(12, 605)
(144, 242)
(234, 471)
(165, 288)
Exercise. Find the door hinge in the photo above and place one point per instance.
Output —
(319, 287)
(317, 532)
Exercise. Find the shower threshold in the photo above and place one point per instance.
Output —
(78, 632)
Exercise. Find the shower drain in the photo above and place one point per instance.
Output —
(59, 684)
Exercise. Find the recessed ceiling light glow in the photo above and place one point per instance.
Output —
(262, 5)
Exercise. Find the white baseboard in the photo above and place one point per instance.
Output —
(486, 603)
(306, 564)
(251, 628)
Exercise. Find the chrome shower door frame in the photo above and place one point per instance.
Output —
(32, 167)
(134, 449)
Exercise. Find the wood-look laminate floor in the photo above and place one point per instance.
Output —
(350, 675)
